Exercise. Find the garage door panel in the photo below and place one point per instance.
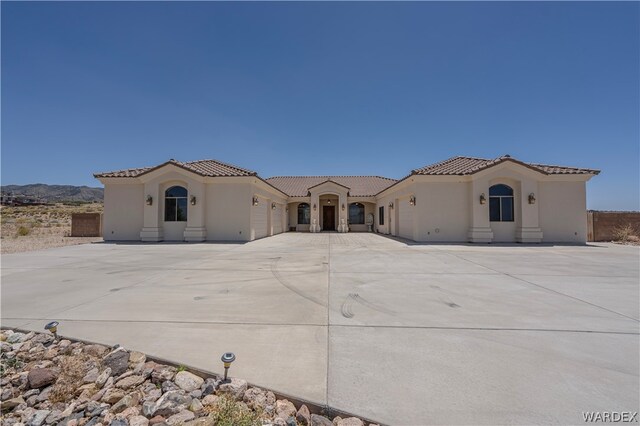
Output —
(260, 219)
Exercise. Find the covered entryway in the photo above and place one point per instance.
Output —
(328, 218)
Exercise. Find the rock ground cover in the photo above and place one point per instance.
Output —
(57, 382)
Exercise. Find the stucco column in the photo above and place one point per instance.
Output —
(480, 229)
(315, 213)
(196, 213)
(152, 229)
(342, 214)
(529, 230)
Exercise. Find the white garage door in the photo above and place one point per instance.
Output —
(260, 218)
(405, 219)
(277, 219)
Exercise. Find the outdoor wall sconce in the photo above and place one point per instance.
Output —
(532, 198)
(315, 207)
(483, 198)
(52, 327)
(391, 205)
(254, 201)
(412, 200)
(342, 206)
(227, 359)
(193, 200)
(149, 200)
(273, 206)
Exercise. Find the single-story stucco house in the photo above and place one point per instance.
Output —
(461, 199)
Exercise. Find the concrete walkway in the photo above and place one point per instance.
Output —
(401, 333)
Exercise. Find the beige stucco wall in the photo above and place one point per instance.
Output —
(123, 212)
(389, 215)
(563, 211)
(442, 211)
(228, 210)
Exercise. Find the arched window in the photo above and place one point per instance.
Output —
(356, 214)
(175, 204)
(304, 214)
(501, 203)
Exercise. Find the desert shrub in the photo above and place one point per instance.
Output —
(23, 231)
(72, 370)
(625, 233)
(228, 412)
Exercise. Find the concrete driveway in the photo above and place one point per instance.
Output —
(401, 333)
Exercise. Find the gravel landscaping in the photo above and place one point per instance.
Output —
(47, 381)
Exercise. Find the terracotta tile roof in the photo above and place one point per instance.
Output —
(471, 165)
(359, 186)
(212, 168)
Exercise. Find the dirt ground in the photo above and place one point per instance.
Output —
(27, 228)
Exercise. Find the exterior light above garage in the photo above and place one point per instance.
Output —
(532, 198)
(149, 200)
(193, 200)
(483, 198)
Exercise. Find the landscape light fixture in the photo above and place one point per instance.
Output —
(193, 200)
(255, 201)
(412, 200)
(149, 200)
(273, 206)
(483, 198)
(227, 359)
(52, 327)
(532, 198)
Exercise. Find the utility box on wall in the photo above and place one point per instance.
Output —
(86, 225)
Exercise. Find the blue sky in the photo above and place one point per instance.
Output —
(321, 88)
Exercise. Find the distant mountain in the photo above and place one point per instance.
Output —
(54, 193)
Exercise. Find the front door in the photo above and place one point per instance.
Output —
(329, 218)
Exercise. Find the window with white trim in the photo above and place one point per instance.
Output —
(501, 203)
(175, 204)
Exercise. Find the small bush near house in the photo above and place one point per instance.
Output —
(625, 233)
(73, 368)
